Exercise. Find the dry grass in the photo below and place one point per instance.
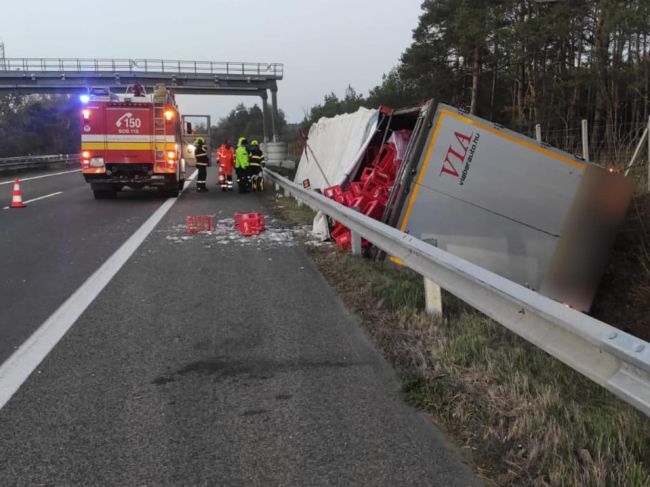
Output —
(526, 418)
(522, 417)
(287, 209)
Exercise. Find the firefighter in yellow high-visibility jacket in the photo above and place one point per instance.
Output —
(242, 164)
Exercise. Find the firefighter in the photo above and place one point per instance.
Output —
(202, 160)
(256, 158)
(242, 164)
(226, 158)
(138, 90)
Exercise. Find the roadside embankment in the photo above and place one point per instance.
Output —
(522, 417)
(624, 292)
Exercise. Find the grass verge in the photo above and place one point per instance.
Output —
(624, 293)
(289, 211)
(522, 417)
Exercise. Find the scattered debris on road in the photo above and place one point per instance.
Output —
(224, 232)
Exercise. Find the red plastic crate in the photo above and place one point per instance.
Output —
(378, 193)
(381, 178)
(349, 197)
(366, 173)
(199, 223)
(386, 156)
(250, 228)
(345, 198)
(332, 191)
(375, 209)
(339, 229)
(356, 187)
(359, 202)
(344, 240)
(250, 224)
(390, 169)
(369, 186)
(339, 198)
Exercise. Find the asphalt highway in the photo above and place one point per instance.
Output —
(206, 360)
(49, 248)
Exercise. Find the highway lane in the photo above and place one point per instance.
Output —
(172, 377)
(50, 248)
(7, 178)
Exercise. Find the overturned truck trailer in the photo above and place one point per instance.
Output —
(533, 214)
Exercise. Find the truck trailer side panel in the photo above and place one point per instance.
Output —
(504, 201)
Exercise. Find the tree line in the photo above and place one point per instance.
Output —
(516, 62)
(249, 122)
(50, 124)
(38, 125)
(525, 62)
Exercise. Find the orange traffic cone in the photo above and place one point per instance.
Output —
(16, 198)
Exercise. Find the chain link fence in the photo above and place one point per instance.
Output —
(611, 147)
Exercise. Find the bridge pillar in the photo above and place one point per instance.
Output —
(265, 116)
(274, 113)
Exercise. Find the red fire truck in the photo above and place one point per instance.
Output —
(131, 140)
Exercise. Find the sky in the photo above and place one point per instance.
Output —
(325, 45)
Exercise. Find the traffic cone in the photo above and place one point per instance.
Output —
(16, 198)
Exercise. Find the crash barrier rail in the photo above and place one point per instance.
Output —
(72, 65)
(25, 162)
(610, 357)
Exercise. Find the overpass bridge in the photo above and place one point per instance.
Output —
(27, 76)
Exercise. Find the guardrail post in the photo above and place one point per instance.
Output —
(355, 238)
(432, 298)
(538, 133)
(432, 291)
(585, 140)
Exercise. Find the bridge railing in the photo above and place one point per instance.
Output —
(26, 162)
(78, 65)
(610, 357)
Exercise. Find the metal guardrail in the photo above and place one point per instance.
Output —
(72, 65)
(610, 357)
(25, 162)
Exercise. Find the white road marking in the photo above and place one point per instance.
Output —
(17, 368)
(39, 198)
(39, 177)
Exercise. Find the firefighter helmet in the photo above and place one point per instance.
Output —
(255, 142)
(199, 141)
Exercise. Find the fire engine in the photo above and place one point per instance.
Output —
(131, 140)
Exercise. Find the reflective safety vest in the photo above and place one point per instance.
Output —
(226, 158)
(241, 158)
